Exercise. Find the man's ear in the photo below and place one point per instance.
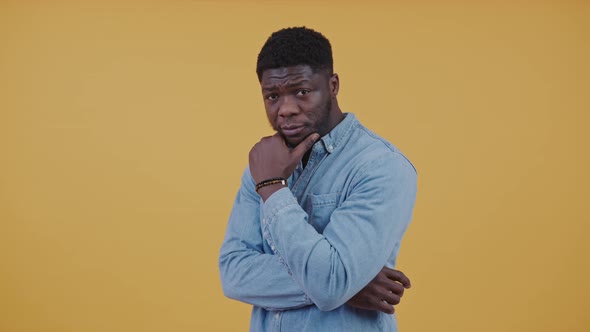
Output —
(334, 85)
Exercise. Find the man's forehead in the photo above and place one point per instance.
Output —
(291, 72)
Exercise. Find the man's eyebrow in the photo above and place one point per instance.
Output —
(289, 85)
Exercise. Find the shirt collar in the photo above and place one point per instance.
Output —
(335, 138)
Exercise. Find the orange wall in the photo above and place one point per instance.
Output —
(125, 126)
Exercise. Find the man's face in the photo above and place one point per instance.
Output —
(298, 101)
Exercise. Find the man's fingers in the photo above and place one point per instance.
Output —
(391, 298)
(396, 288)
(385, 307)
(398, 276)
(305, 145)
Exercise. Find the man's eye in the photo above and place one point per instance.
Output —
(303, 92)
(272, 96)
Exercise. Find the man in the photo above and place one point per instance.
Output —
(322, 207)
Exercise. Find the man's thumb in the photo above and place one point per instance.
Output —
(305, 145)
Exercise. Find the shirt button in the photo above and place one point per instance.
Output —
(330, 148)
(272, 247)
(277, 315)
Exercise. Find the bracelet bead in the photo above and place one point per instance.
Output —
(269, 182)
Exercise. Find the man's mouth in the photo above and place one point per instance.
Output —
(292, 130)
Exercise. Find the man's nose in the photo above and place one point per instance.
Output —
(288, 107)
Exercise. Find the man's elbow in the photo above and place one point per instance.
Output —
(328, 302)
(231, 287)
(229, 290)
(328, 305)
(228, 284)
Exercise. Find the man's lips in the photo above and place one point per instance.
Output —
(292, 130)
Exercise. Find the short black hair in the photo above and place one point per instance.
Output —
(295, 46)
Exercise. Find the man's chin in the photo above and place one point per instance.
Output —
(293, 141)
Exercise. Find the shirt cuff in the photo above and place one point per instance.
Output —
(278, 200)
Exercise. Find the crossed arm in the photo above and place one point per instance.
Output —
(281, 262)
(252, 275)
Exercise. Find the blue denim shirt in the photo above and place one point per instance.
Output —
(299, 256)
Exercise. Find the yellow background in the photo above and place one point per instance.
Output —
(125, 126)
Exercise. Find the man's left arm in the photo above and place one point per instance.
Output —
(361, 235)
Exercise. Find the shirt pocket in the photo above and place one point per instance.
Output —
(321, 208)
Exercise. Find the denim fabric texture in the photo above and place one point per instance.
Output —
(302, 254)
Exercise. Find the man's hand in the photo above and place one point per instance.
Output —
(271, 157)
(383, 292)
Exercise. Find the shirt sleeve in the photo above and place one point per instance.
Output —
(359, 238)
(248, 273)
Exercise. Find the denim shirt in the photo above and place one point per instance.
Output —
(302, 254)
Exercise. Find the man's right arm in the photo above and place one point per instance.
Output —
(248, 273)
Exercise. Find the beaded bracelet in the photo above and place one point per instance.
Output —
(270, 182)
